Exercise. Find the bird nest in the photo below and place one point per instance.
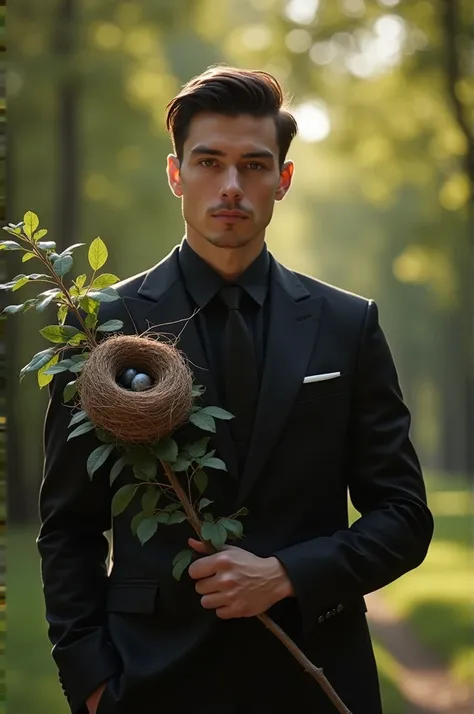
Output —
(142, 416)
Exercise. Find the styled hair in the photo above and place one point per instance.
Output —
(230, 91)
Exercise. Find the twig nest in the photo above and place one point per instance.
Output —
(147, 413)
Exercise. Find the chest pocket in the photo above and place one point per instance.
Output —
(325, 389)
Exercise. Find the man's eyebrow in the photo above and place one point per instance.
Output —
(260, 154)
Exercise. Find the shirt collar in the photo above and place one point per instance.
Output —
(202, 282)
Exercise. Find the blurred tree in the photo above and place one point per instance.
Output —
(393, 80)
(384, 194)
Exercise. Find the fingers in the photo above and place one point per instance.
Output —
(214, 601)
(204, 586)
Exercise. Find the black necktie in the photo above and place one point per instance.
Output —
(239, 370)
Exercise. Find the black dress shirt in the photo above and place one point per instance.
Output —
(202, 284)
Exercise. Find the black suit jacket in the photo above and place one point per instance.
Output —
(147, 634)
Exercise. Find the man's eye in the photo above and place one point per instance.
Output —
(254, 165)
(207, 162)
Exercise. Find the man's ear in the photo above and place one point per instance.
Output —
(286, 177)
(174, 176)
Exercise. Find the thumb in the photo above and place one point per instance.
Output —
(197, 545)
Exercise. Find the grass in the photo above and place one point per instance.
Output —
(437, 598)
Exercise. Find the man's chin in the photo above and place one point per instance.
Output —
(228, 239)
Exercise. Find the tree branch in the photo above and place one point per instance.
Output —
(293, 649)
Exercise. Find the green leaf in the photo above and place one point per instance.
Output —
(38, 361)
(208, 517)
(172, 507)
(40, 234)
(43, 377)
(70, 390)
(47, 300)
(59, 333)
(178, 517)
(150, 498)
(78, 338)
(215, 533)
(81, 280)
(104, 281)
(78, 417)
(62, 314)
(204, 502)
(81, 357)
(70, 248)
(98, 457)
(214, 463)
(199, 448)
(31, 221)
(181, 464)
(91, 321)
(146, 529)
(97, 254)
(167, 450)
(81, 429)
(201, 480)
(105, 295)
(197, 390)
(77, 366)
(181, 562)
(14, 228)
(89, 306)
(117, 469)
(28, 304)
(163, 517)
(19, 283)
(28, 256)
(63, 265)
(135, 522)
(217, 413)
(232, 526)
(203, 421)
(145, 465)
(62, 366)
(13, 309)
(47, 245)
(10, 245)
(122, 498)
(110, 326)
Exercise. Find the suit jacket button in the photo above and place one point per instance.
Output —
(333, 612)
(328, 615)
(321, 619)
(340, 607)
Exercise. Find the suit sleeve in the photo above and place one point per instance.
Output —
(74, 514)
(386, 486)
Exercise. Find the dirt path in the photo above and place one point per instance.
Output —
(422, 677)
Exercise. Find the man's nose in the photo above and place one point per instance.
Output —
(231, 187)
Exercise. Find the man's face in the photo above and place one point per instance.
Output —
(229, 178)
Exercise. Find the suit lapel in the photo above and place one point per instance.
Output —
(292, 332)
(162, 305)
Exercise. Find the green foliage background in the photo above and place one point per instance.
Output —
(381, 206)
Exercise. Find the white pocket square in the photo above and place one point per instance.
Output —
(321, 377)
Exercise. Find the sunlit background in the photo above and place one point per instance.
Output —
(381, 205)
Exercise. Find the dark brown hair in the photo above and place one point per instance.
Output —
(230, 91)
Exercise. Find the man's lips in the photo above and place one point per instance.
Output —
(230, 215)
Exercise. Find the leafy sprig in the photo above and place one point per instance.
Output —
(179, 497)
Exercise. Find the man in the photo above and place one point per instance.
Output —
(306, 370)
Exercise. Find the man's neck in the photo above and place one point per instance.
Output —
(229, 263)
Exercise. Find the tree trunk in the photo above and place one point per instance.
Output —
(450, 21)
(67, 218)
